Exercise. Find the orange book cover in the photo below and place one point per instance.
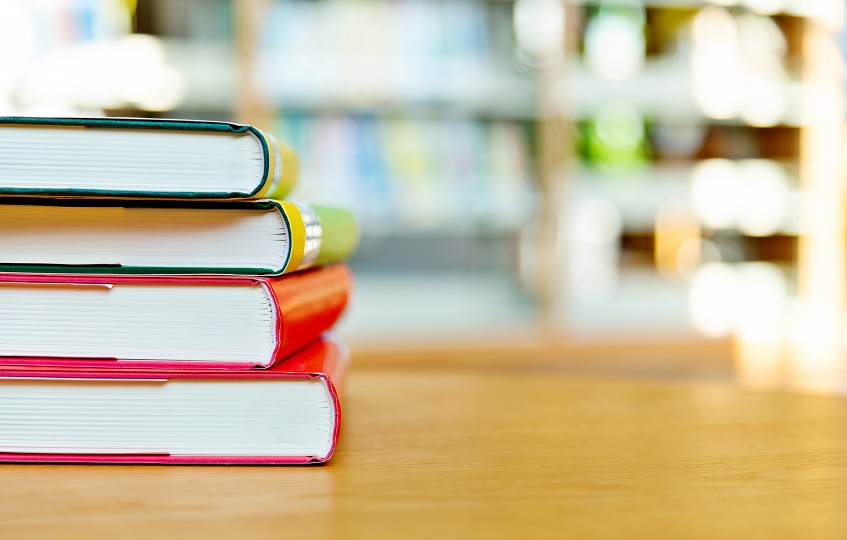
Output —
(294, 309)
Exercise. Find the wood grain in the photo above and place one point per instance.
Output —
(653, 355)
(505, 454)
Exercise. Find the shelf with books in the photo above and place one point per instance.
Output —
(416, 173)
(687, 66)
(755, 197)
(712, 165)
(665, 91)
(704, 63)
(793, 8)
(426, 52)
(432, 56)
(211, 74)
(82, 58)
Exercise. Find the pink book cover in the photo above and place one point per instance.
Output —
(323, 359)
(307, 304)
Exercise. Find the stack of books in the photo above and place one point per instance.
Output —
(159, 303)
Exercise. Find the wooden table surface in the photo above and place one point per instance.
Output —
(469, 454)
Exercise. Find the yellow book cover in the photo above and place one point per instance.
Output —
(131, 236)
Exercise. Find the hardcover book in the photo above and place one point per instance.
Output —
(265, 237)
(134, 157)
(287, 414)
(166, 322)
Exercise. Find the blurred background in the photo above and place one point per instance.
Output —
(644, 186)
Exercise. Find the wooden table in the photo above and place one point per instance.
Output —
(469, 454)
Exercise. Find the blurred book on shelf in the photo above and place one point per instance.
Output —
(415, 173)
(330, 54)
(81, 57)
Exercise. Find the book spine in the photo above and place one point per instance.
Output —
(308, 304)
(282, 167)
(319, 235)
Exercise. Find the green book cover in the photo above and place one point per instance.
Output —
(142, 158)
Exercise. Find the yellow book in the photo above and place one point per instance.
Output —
(263, 237)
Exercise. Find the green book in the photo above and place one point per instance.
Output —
(146, 158)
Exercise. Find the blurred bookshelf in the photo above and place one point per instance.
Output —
(531, 175)
(704, 166)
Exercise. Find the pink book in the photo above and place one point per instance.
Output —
(287, 414)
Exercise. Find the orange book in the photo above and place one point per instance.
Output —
(166, 322)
